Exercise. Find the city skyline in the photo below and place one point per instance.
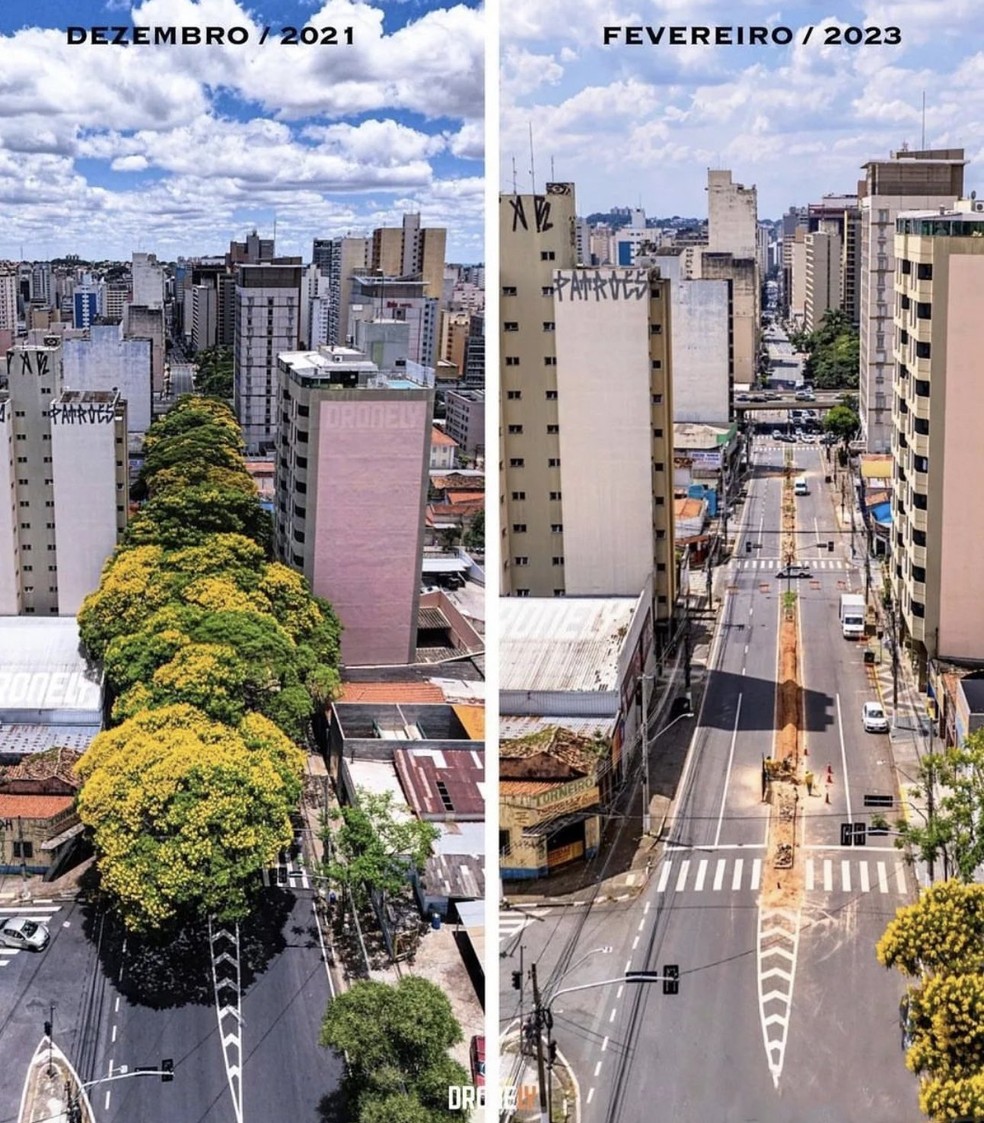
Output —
(639, 125)
(179, 149)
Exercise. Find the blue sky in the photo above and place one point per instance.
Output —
(640, 125)
(177, 149)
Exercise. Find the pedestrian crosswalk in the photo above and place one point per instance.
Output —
(773, 565)
(289, 873)
(39, 911)
(821, 875)
(513, 921)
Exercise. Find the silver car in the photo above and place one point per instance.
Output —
(873, 718)
(24, 934)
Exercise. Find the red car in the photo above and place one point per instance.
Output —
(477, 1053)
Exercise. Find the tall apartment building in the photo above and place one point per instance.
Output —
(267, 322)
(85, 304)
(40, 283)
(8, 301)
(147, 280)
(824, 283)
(732, 215)
(411, 250)
(792, 220)
(204, 316)
(254, 251)
(475, 353)
(397, 298)
(341, 423)
(907, 180)
(344, 258)
(586, 426)
(140, 322)
(63, 471)
(937, 415)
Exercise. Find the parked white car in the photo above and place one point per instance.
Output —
(24, 934)
(873, 718)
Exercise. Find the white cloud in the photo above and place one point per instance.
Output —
(130, 164)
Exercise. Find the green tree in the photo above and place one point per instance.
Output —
(378, 845)
(183, 517)
(958, 1101)
(947, 1013)
(842, 422)
(396, 1040)
(475, 534)
(186, 812)
(214, 373)
(955, 831)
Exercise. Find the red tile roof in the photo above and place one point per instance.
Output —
(33, 806)
(390, 692)
(439, 437)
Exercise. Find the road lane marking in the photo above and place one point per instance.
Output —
(597, 1068)
(900, 878)
(682, 878)
(865, 883)
(642, 924)
(778, 935)
(628, 964)
(590, 1095)
(882, 878)
(106, 1105)
(618, 993)
(840, 734)
(614, 1010)
(736, 876)
(646, 909)
(756, 873)
(664, 877)
(116, 1005)
(701, 874)
(113, 1038)
(810, 882)
(719, 874)
(727, 774)
(604, 1044)
(635, 943)
(846, 875)
(828, 875)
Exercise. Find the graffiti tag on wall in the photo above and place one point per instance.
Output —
(602, 284)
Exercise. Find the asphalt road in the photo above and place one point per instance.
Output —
(779, 1017)
(121, 1004)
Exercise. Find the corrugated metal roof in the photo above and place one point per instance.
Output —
(511, 726)
(562, 643)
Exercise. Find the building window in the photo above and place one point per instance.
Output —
(923, 350)
(547, 255)
(657, 364)
(521, 560)
(553, 428)
(655, 329)
(924, 272)
(657, 433)
(655, 293)
(549, 325)
(657, 399)
(508, 290)
(514, 395)
(516, 462)
(547, 290)
(518, 496)
(659, 466)
(522, 592)
(556, 528)
(510, 325)
(918, 573)
(553, 462)
(556, 496)
(551, 395)
(519, 528)
(557, 559)
(924, 311)
(512, 360)
(515, 430)
(559, 592)
(23, 848)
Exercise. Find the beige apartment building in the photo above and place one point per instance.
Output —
(586, 413)
(907, 180)
(824, 283)
(411, 250)
(937, 416)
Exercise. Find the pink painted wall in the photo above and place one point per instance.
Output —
(962, 531)
(368, 523)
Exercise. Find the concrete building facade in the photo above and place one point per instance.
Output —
(937, 414)
(106, 360)
(343, 423)
(63, 467)
(907, 180)
(824, 281)
(465, 419)
(267, 323)
(732, 216)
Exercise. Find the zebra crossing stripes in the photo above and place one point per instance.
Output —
(823, 875)
(765, 564)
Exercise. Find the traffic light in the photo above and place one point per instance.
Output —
(847, 834)
(748, 546)
(671, 975)
(517, 980)
(167, 1070)
(830, 546)
(551, 1053)
(47, 1029)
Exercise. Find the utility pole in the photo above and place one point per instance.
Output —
(646, 823)
(540, 1068)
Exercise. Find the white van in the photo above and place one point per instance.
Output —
(800, 486)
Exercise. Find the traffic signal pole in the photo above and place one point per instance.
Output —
(540, 1068)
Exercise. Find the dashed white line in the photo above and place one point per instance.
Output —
(635, 943)
(590, 1096)
(618, 993)
(646, 909)
(116, 1005)
(614, 1010)
(736, 876)
(727, 774)
(628, 964)
(597, 1068)
(642, 924)
(106, 1105)
(604, 1044)
(113, 1039)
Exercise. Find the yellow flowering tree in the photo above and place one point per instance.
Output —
(947, 1015)
(953, 1101)
(185, 812)
(942, 933)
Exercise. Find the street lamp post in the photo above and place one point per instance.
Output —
(647, 824)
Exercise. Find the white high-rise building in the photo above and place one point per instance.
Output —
(147, 278)
(8, 301)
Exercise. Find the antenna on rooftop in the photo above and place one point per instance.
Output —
(532, 166)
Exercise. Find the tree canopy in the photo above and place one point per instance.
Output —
(214, 374)
(833, 351)
(185, 812)
(396, 1040)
